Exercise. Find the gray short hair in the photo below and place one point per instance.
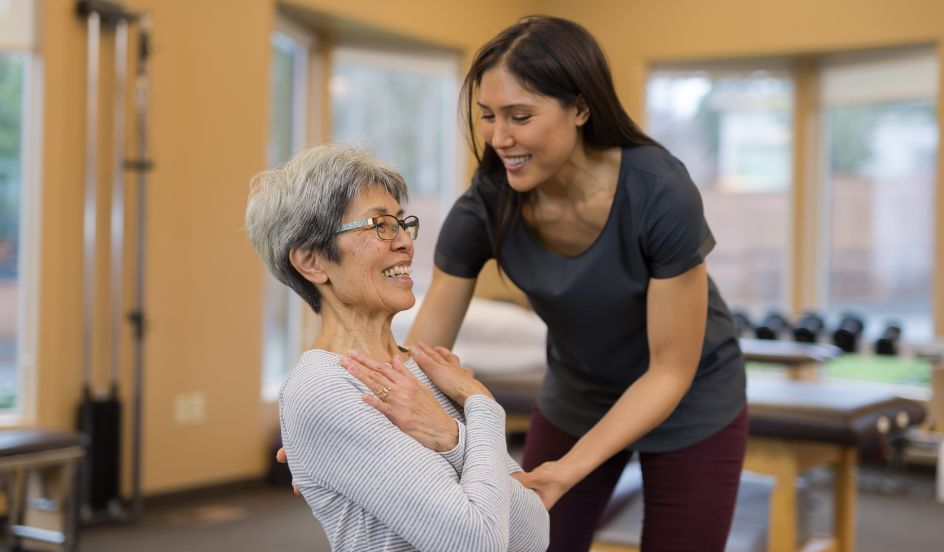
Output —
(299, 204)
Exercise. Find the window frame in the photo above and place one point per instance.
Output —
(305, 109)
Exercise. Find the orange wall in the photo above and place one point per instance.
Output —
(210, 79)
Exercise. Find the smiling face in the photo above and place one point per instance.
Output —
(373, 275)
(534, 135)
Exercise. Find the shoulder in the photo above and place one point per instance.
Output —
(317, 383)
(651, 175)
(484, 192)
(653, 163)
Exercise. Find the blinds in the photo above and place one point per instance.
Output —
(894, 75)
(18, 24)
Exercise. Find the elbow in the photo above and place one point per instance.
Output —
(486, 537)
(490, 540)
(543, 538)
(540, 540)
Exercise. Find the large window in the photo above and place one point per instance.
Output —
(732, 130)
(862, 209)
(881, 134)
(288, 130)
(20, 102)
(11, 169)
(403, 109)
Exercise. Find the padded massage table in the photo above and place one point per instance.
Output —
(795, 424)
(38, 472)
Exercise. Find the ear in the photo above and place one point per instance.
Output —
(583, 111)
(309, 264)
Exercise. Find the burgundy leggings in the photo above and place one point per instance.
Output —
(689, 494)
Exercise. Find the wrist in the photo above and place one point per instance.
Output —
(471, 390)
(450, 437)
(573, 468)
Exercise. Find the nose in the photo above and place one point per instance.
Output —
(501, 135)
(402, 243)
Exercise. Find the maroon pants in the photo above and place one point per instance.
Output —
(689, 494)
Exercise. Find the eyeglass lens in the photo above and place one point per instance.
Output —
(389, 225)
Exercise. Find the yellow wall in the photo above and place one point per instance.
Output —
(208, 136)
(210, 78)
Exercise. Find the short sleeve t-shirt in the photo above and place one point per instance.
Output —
(594, 303)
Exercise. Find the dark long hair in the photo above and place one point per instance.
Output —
(559, 59)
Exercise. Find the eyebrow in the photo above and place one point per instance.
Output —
(507, 106)
(373, 211)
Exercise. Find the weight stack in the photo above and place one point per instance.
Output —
(100, 420)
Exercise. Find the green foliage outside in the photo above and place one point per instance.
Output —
(11, 105)
(11, 112)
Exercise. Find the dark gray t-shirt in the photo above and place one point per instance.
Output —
(594, 303)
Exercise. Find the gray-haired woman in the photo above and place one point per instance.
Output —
(380, 450)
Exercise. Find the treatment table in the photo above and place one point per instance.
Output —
(794, 426)
(38, 472)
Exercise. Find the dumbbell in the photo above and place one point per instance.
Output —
(772, 326)
(887, 343)
(808, 327)
(742, 322)
(846, 336)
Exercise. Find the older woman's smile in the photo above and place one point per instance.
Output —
(399, 272)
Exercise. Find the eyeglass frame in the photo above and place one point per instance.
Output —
(401, 223)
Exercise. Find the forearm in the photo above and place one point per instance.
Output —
(529, 522)
(642, 407)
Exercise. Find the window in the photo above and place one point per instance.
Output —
(866, 190)
(20, 101)
(288, 130)
(403, 109)
(732, 130)
(881, 137)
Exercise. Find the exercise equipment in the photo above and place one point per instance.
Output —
(99, 414)
(887, 343)
(773, 325)
(847, 333)
(38, 469)
(808, 328)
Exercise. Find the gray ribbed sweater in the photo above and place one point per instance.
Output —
(375, 488)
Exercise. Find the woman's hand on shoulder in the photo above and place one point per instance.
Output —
(406, 402)
(447, 373)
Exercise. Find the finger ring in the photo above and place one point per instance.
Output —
(382, 395)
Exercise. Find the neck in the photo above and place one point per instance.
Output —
(587, 173)
(345, 329)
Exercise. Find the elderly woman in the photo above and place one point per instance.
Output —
(406, 454)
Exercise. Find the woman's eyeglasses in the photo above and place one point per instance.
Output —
(387, 226)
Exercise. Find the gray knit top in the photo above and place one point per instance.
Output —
(375, 488)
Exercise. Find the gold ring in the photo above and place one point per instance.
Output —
(383, 393)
